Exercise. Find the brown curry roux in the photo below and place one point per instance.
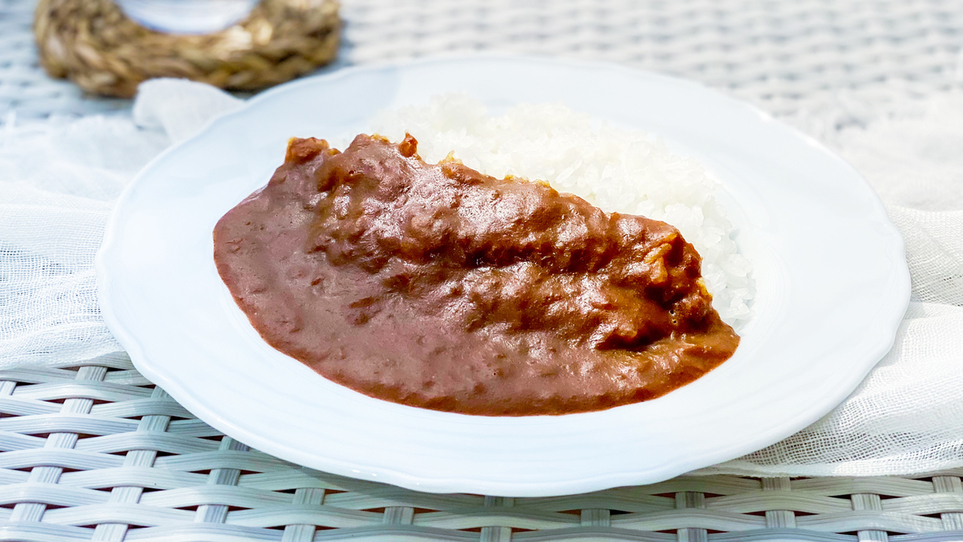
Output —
(436, 286)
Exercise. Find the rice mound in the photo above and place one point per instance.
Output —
(617, 170)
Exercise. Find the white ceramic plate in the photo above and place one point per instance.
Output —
(832, 286)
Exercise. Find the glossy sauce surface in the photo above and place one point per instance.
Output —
(438, 287)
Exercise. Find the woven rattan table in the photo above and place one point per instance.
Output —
(97, 452)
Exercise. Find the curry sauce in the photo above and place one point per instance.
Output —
(435, 286)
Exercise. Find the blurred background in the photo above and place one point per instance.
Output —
(786, 57)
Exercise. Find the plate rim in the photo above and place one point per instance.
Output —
(446, 484)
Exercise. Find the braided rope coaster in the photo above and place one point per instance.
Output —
(93, 43)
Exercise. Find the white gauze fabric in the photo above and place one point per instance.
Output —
(58, 182)
(907, 415)
(57, 185)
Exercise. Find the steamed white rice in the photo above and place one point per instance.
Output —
(617, 170)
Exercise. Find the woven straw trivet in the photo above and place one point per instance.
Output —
(93, 43)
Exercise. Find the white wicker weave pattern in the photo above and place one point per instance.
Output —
(98, 453)
(782, 55)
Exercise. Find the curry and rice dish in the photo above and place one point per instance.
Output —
(436, 286)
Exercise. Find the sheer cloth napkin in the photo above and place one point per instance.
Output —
(58, 181)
